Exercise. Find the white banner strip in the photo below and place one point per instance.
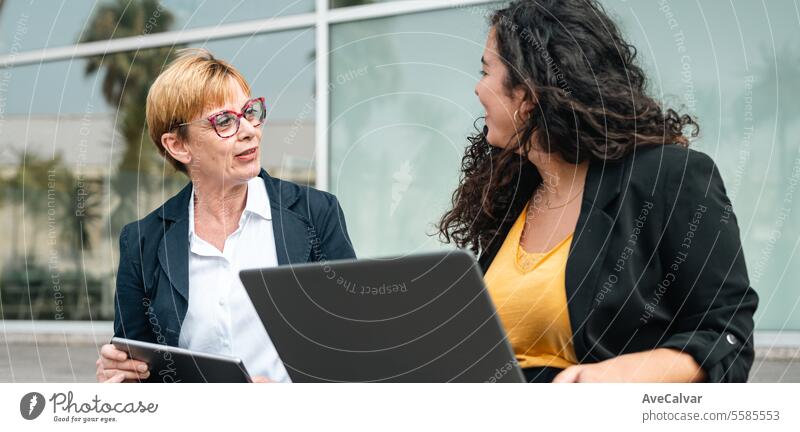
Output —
(399, 407)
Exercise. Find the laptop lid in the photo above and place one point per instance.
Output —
(417, 318)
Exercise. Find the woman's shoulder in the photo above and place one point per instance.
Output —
(143, 234)
(297, 196)
(658, 167)
(146, 233)
(669, 158)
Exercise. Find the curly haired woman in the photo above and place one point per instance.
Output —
(609, 247)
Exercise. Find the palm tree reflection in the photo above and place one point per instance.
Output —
(127, 77)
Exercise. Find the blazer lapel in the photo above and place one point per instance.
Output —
(294, 235)
(589, 247)
(173, 251)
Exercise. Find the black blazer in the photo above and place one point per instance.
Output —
(153, 277)
(656, 261)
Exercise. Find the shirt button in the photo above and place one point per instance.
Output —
(222, 302)
(732, 339)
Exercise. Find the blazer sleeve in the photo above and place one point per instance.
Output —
(130, 299)
(334, 241)
(701, 248)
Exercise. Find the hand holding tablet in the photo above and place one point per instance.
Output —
(114, 366)
(170, 364)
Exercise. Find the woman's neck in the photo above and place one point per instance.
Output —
(561, 179)
(217, 202)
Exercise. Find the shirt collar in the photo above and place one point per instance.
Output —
(257, 198)
(257, 202)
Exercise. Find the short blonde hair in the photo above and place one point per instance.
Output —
(194, 82)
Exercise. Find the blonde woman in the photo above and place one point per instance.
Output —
(178, 282)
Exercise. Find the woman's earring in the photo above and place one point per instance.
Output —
(516, 113)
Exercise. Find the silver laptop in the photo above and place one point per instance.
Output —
(418, 318)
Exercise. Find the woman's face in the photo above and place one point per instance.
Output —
(232, 160)
(499, 104)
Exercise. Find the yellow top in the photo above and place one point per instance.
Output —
(529, 292)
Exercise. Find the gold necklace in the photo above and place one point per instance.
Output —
(532, 205)
(532, 208)
(547, 203)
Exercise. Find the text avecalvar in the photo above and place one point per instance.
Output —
(679, 398)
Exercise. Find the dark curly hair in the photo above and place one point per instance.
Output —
(590, 103)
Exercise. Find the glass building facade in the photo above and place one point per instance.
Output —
(371, 100)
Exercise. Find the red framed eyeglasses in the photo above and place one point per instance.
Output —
(226, 123)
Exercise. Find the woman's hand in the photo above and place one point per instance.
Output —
(261, 379)
(659, 365)
(113, 366)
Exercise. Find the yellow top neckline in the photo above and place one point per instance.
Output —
(526, 261)
(532, 305)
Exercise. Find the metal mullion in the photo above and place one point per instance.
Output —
(155, 40)
(246, 28)
(321, 145)
(379, 10)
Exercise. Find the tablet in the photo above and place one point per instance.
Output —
(415, 318)
(170, 364)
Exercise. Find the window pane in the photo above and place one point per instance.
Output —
(29, 25)
(401, 109)
(74, 169)
(400, 112)
(734, 64)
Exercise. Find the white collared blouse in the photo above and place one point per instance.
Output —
(221, 318)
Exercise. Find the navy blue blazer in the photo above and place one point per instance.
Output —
(153, 277)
